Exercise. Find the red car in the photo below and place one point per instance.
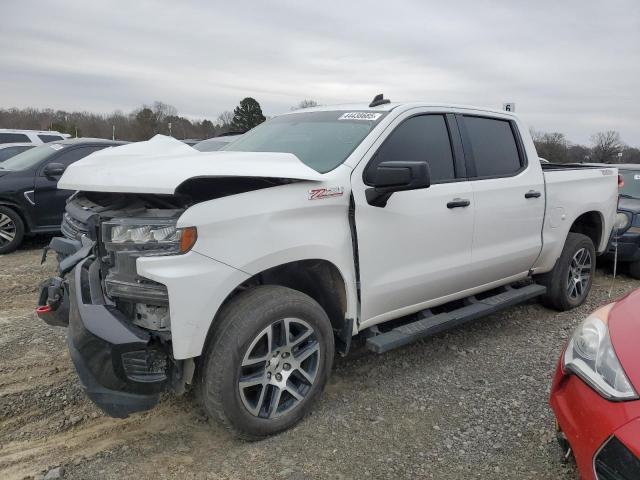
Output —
(594, 394)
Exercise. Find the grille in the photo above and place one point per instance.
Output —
(72, 228)
(616, 462)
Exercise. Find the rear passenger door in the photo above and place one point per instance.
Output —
(509, 198)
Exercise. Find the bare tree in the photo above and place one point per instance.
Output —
(306, 103)
(552, 146)
(606, 146)
(225, 118)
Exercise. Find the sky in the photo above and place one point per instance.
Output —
(571, 66)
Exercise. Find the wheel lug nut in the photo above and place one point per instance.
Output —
(268, 375)
(285, 355)
(278, 377)
(286, 366)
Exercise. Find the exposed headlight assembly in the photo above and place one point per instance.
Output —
(590, 355)
(148, 234)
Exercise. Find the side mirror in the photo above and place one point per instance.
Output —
(54, 169)
(393, 177)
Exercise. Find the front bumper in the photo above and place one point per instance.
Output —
(122, 369)
(603, 435)
(628, 247)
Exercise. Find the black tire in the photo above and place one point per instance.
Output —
(15, 229)
(557, 280)
(634, 270)
(238, 327)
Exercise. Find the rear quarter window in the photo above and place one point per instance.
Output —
(50, 138)
(494, 146)
(14, 138)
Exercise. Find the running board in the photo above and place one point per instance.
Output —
(430, 324)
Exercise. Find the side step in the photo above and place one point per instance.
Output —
(430, 324)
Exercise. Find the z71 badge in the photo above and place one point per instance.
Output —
(320, 193)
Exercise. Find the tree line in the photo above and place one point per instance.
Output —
(140, 124)
(159, 117)
(605, 147)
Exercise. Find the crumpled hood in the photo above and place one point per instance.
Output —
(161, 164)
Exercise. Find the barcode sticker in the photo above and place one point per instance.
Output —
(366, 116)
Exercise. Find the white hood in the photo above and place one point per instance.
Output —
(161, 164)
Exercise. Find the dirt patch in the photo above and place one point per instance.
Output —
(470, 403)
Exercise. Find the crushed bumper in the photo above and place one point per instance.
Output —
(120, 366)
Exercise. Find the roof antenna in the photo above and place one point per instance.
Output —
(378, 100)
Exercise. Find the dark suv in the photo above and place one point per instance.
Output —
(30, 201)
(627, 224)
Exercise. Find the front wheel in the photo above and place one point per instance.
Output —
(569, 283)
(11, 230)
(267, 362)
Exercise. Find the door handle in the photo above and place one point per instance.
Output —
(532, 194)
(458, 203)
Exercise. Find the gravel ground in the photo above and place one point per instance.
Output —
(470, 403)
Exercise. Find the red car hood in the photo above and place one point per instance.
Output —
(624, 330)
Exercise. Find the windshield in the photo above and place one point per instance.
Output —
(30, 158)
(631, 186)
(322, 140)
(212, 144)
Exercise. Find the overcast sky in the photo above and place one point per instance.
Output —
(571, 66)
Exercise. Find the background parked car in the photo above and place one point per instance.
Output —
(8, 150)
(216, 143)
(37, 137)
(30, 201)
(628, 220)
(594, 393)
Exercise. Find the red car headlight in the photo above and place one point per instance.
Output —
(591, 356)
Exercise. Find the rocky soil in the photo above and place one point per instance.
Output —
(470, 403)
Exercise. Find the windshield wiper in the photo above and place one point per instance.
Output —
(623, 195)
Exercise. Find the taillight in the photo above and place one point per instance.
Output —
(620, 181)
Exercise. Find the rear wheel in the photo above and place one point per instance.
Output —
(268, 360)
(11, 230)
(569, 283)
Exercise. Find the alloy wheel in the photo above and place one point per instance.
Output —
(279, 368)
(579, 274)
(7, 229)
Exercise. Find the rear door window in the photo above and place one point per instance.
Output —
(418, 139)
(14, 138)
(493, 145)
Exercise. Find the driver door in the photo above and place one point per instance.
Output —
(416, 249)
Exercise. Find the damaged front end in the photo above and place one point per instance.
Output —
(119, 327)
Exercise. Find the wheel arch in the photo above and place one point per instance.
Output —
(318, 278)
(591, 224)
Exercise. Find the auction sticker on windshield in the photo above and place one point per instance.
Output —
(366, 116)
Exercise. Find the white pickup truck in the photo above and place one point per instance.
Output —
(242, 271)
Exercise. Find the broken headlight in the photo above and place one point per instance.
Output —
(147, 234)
